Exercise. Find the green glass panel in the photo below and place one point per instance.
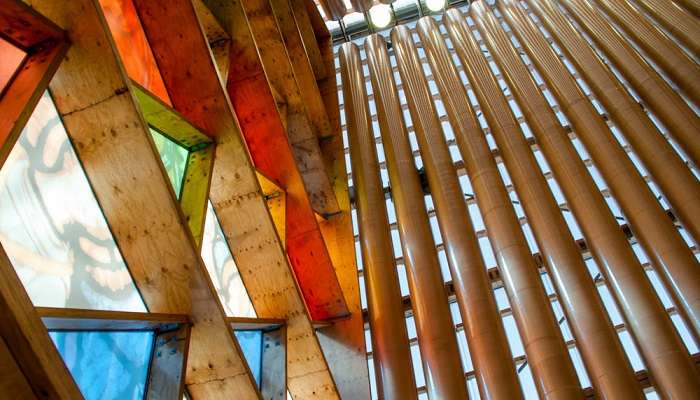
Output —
(174, 158)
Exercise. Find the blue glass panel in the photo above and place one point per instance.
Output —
(174, 158)
(251, 344)
(52, 227)
(107, 365)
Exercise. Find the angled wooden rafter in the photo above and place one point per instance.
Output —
(30, 366)
(235, 193)
(261, 124)
(96, 101)
(304, 128)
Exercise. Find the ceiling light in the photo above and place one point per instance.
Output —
(435, 5)
(380, 15)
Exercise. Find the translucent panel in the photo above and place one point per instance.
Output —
(223, 270)
(100, 360)
(11, 58)
(487, 252)
(403, 280)
(464, 351)
(684, 333)
(251, 344)
(411, 328)
(174, 158)
(52, 227)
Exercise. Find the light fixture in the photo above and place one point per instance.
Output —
(435, 5)
(380, 14)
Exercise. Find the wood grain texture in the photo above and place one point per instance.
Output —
(31, 348)
(13, 383)
(308, 36)
(235, 192)
(99, 110)
(344, 341)
(301, 66)
(302, 132)
(255, 104)
(45, 45)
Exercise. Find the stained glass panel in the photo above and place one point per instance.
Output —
(52, 227)
(251, 344)
(174, 158)
(107, 365)
(223, 270)
(11, 58)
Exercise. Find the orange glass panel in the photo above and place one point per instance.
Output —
(11, 58)
(133, 46)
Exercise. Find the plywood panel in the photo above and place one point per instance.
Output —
(255, 104)
(303, 133)
(235, 192)
(30, 347)
(344, 341)
(95, 100)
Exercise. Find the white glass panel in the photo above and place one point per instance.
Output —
(52, 228)
(223, 270)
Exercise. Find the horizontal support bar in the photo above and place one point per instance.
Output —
(70, 319)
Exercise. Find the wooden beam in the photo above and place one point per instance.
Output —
(45, 45)
(302, 132)
(235, 192)
(344, 341)
(195, 185)
(96, 102)
(301, 66)
(306, 30)
(29, 344)
(71, 319)
(255, 324)
(254, 102)
(171, 341)
(167, 368)
(12, 382)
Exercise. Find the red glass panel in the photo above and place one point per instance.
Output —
(133, 46)
(11, 58)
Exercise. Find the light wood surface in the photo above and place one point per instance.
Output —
(99, 110)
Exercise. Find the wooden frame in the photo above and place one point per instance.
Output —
(30, 366)
(45, 44)
(200, 161)
(344, 341)
(263, 128)
(273, 383)
(196, 92)
(97, 103)
(170, 347)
